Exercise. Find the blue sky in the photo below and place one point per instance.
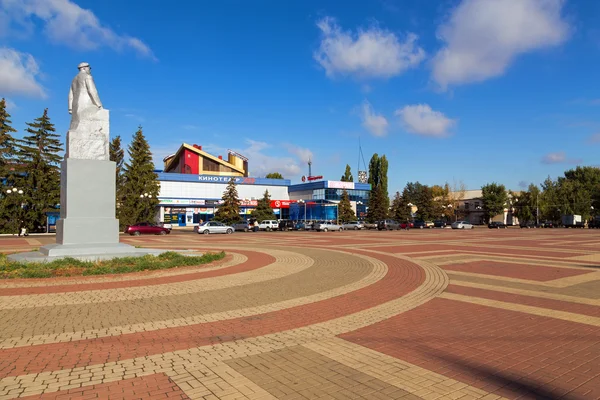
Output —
(471, 90)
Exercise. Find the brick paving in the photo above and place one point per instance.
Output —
(423, 314)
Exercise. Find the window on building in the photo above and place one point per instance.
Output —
(210, 165)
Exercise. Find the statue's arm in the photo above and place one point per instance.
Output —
(91, 89)
(71, 99)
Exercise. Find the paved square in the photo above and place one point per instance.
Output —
(423, 314)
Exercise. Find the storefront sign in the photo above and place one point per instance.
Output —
(248, 203)
(175, 202)
(281, 203)
(340, 185)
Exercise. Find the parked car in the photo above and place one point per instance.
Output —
(268, 225)
(407, 225)
(594, 223)
(461, 225)
(388, 225)
(439, 224)
(496, 225)
(302, 226)
(242, 227)
(528, 225)
(370, 225)
(423, 224)
(353, 225)
(146, 228)
(548, 224)
(286, 225)
(209, 227)
(325, 226)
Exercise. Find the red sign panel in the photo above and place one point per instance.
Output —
(281, 203)
(315, 178)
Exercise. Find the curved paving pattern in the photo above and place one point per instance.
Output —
(374, 315)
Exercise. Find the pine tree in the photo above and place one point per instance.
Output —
(400, 211)
(345, 212)
(378, 210)
(229, 211)
(347, 177)
(7, 142)
(117, 154)
(39, 156)
(263, 210)
(140, 184)
(7, 155)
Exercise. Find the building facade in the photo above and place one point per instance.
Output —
(193, 182)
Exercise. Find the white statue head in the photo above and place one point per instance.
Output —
(84, 67)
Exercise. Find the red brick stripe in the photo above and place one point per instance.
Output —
(157, 386)
(584, 309)
(492, 348)
(402, 278)
(255, 260)
(520, 271)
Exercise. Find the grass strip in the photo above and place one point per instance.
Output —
(72, 267)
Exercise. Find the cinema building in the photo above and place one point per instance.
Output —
(193, 181)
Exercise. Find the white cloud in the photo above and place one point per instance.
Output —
(18, 74)
(373, 52)
(302, 153)
(375, 123)
(555, 158)
(422, 120)
(483, 37)
(67, 23)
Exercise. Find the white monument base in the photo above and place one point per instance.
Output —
(87, 228)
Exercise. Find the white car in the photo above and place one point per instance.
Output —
(461, 225)
(328, 226)
(353, 225)
(268, 225)
(214, 227)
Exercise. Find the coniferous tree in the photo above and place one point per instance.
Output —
(229, 211)
(7, 142)
(345, 212)
(347, 177)
(379, 201)
(400, 210)
(263, 210)
(7, 155)
(140, 184)
(39, 156)
(117, 154)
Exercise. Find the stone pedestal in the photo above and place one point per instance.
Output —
(87, 223)
(88, 138)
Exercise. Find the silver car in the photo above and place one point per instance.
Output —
(461, 225)
(325, 226)
(354, 225)
(214, 227)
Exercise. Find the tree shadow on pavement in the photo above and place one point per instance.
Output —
(524, 388)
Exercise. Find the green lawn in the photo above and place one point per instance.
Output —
(72, 267)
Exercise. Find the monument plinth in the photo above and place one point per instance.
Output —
(87, 228)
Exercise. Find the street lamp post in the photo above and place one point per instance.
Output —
(303, 202)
